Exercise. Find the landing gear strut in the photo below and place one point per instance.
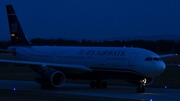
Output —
(140, 88)
(98, 84)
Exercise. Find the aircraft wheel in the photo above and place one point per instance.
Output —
(92, 84)
(98, 84)
(104, 84)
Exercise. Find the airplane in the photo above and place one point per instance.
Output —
(55, 64)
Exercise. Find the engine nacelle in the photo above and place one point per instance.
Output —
(51, 78)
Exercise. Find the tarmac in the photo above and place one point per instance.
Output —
(119, 93)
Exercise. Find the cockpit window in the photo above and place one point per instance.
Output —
(156, 59)
(147, 59)
(153, 59)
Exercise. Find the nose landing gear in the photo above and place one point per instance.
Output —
(140, 88)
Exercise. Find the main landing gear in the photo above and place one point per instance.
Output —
(98, 84)
(140, 88)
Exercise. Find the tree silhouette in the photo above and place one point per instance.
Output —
(159, 46)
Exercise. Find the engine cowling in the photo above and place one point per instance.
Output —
(51, 78)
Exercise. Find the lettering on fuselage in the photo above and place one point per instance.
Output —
(105, 53)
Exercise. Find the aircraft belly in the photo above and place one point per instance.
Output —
(103, 75)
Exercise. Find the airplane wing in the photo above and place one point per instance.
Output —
(176, 65)
(172, 53)
(62, 67)
(168, 55)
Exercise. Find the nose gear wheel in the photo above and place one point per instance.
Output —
(140, 88)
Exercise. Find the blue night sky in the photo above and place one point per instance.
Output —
(93, 19)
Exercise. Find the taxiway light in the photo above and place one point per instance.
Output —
(150, 100)
(14, 88)
(165, 86)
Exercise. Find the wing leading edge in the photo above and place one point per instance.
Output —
(62, 67)
(167, 55)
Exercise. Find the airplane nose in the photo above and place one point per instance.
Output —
(160, 67)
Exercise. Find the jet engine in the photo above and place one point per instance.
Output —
(51, 78)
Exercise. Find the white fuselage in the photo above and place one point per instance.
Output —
(126, 59)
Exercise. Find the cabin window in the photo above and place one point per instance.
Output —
(150, 59)
(147, 59)
(156, 59)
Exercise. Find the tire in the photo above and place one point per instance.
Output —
(98, 84)
(92, 84)
(104, 84)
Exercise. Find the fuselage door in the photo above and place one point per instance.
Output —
(131, 60)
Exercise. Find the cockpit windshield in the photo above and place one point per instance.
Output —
(153, 59)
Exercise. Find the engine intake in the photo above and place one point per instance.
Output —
(51, 78)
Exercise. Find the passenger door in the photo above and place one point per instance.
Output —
(132, 58)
